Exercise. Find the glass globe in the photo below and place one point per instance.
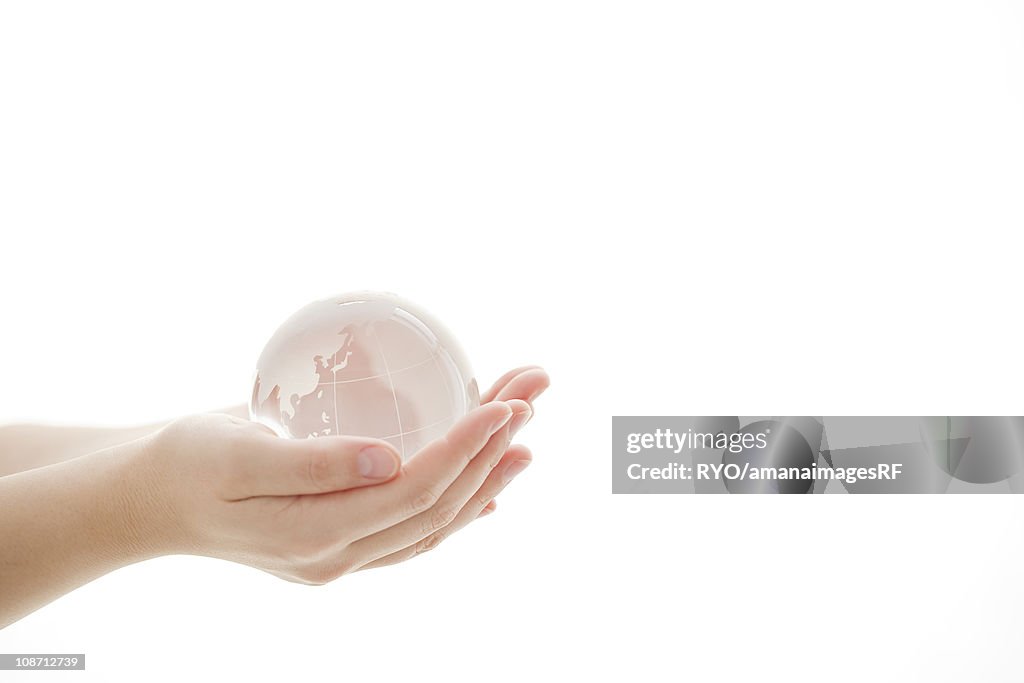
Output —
(363, 364)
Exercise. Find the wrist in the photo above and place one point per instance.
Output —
(141, 509)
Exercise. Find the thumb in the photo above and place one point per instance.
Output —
(275, 466)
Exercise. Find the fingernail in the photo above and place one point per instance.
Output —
(500, 422)
(376, 462)
(519, 420)
(514, 468)
(486, 511)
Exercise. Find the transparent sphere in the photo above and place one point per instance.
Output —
(363, 364)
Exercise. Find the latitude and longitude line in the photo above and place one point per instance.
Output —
(389, 374)
(391, 383)
(433, 357)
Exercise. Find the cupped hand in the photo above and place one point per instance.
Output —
(312, 510)
(526, 384)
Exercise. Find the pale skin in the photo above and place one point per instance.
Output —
(76, 504)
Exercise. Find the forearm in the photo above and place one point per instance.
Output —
(63, 525)
(27, 446)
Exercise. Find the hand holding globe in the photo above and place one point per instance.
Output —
(369, 444)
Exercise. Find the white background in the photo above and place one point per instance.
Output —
(695, 208)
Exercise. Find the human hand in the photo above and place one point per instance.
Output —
(313, 510)
(526, 383)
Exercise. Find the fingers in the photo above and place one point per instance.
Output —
(266, 465)
(515, 460)
(448, 506)
(527, 385)
(425, 478)
(527, 390)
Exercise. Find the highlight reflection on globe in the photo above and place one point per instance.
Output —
(363, 364)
